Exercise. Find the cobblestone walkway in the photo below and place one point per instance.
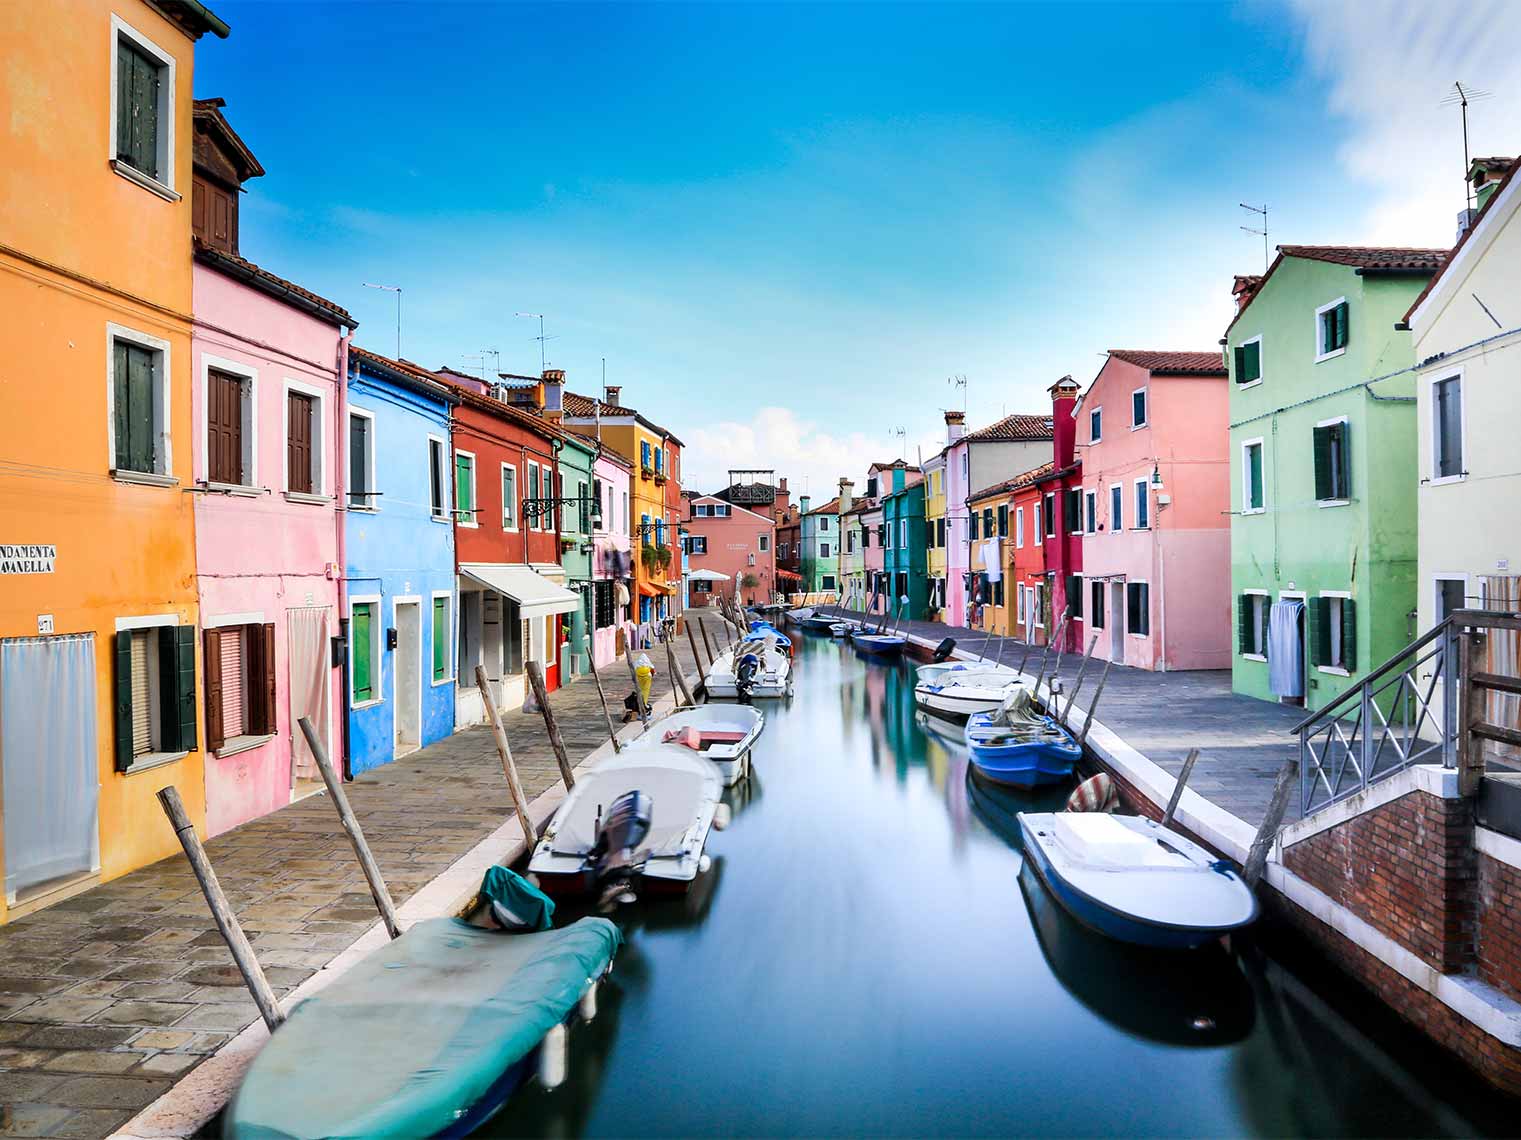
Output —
(108, 997)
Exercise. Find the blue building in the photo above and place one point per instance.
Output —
(399, 599)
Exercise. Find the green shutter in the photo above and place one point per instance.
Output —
(137, 101)
(363, 681)
(1341, 482)
(132, 385)
(464, 503)
(1340, 315)
(1244, 623)
(440, 638)
(122, 704)
(1254, 472)
(1348, 635)
(177, 686)
(1322, 452)
(1316, 613)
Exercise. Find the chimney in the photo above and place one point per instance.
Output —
(847, 489)
(1243, 287)
(781, 485)
(802, 505)
(955, 426)
(1063, 426)
(610, 394)
(554, 392)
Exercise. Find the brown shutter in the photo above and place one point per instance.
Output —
(264, 679)
(299, 446)
(224, 428)
(212, 655)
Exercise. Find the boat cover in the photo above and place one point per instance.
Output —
(515, 902)
(675, 791)
(418, 1031)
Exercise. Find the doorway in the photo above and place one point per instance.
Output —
(1117, 622)
(308, 665)
(408, 658)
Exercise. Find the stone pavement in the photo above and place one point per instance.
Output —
(107, 998)
(1242, 741)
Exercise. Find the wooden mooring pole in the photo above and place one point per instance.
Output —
(1093, 704)
(702, 671)
(1177, 788)
(1078, 684)
(535, 673)
(607, 714)
(504, 750)
(708, 645)
(1256, 858)
(351, 827)
(221, 910)
(678, 678)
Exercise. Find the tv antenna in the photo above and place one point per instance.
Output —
(541, 338)
(902, 434)
(469, 358)
(1267, 257)
(1462, 96)
(397, 290)
(959, 381)
(497, 359)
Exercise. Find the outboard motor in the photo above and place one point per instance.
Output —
(745, 673)
(944, 650)
(615, 858)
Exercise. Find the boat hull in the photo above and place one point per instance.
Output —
(878, 645)
(1032, 764)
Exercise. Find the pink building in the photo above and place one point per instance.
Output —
(1152, 433)
(267, 358)
(612, 562)
(733, 541)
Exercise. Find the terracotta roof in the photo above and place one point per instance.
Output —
(830, 508)
(277, 287)
(1462, 241)
(1024, 479)
(585, 407)
(418, 377)
(504, 411)
(1173, 363)
(1369, 257)
(1016, 427)
(1492, 163)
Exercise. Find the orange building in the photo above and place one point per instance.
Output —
(98, 650)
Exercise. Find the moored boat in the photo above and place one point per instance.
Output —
(818, 622)
(1135, 880)
(961, 693)
(1019, 747)
(753, 668)
(879, 644)
(721, 734)
(935, 671)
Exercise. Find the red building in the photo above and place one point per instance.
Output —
(1028, 594)
(1061, 517)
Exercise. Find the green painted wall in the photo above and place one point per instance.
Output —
(576, 463)
(908, 504)
(1366, 547)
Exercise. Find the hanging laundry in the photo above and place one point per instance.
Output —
(990, 560)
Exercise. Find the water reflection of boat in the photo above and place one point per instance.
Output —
(946, 732)
(1196, 999)
(999, 808)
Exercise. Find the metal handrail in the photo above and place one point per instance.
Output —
(1346, 696)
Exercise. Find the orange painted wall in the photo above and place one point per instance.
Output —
(82, 247)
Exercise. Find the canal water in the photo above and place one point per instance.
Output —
(868, 956)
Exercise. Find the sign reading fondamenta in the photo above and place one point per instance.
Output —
(27, 557)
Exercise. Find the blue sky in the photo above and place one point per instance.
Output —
(784, 226)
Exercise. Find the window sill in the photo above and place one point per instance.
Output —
(241, 489)
(236, 744)
(309, 499)
(443, 681)
(1255, 657)
(1249, 384)
(355, 706)
(353, 510)
(1330, 355)
(1333, 502)
(147, 182)
(144, 478)
(1138, 427)
(440, 519)
(153, 760)
(1445, 479)
(1254, 511)
(1334, 670)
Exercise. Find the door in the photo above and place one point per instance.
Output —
(309, 666)
(1286, 645)
(1117, 622)
(552, 659)
(49, 780)
(408, 719)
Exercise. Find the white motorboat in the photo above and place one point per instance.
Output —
(962, 692)
(938, 669)
(721, 734)
(753, 668)
(675, 794)
(1133, 879)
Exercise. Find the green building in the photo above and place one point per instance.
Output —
(1323, 480)
(820, 533)
(577, 458)
(905, 551)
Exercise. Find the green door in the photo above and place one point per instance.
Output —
(364, 648)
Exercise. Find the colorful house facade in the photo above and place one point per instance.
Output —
(789, 548)
(874, 557)
(903, 553)
(612, 562)
(935, 531)
(576, 487)
(820, 536)
(1322, 435)
(1029, 589)
(989, 516)
(734, 541)
(99, 611)
(1061, 492)
(1153, 430)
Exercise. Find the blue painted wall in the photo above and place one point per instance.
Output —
(398, 549)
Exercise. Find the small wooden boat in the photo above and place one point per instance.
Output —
(818, 622)
(753, 668)
(1135, 880)
(879, 644)
(426, 1036)
(961, 693)
(798, 616)
(1018, 747)
(720, 734)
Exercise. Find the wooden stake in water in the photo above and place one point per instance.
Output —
(678, 679)
(535, 673)
(1256, 858)
(607, 714)
(221, 910)
(504, 750)
(1093, 705)
(1078, 684)
(702, 670)
(351, 826)
(1177, 788)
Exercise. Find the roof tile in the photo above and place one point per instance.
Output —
(1173, 363)
(1369, 257)
(1015, 427)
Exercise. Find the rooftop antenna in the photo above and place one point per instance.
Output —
(1267, 257)
(902, 434)
(397, 290)
(497, 357)
(1462, 96)
(541, 338)
(468, 357)
(959, 381)
(597, 402)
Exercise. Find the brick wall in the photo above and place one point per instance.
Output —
(1497, 927)
(1406, 868)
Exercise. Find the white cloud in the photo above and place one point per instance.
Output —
(813, 456)
(1389, 65)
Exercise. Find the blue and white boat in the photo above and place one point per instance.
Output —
(879, 644)
(1135, 880)
(1018, 747)
(818, 622)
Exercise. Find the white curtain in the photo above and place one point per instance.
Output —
(52, 780)
(306, 641)
(1285, 659)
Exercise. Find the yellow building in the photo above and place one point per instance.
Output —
(654, 494)
(98, 666)
(988, 513)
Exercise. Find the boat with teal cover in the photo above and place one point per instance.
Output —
(426, 1036)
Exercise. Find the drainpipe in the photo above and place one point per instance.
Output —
(340, 509)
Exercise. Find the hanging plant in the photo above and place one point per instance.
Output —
(648, 557)
(663, 556)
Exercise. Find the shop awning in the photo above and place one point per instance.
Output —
(788, 576)
(707, 576)
(654, 590)
(535, 594)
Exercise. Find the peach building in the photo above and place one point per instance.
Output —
(733, 541)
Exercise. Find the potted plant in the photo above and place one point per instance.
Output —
(648, 558)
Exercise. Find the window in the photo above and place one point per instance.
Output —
(850, 542)
(1019, 527)
(1075, 596)
(998, 592)
(229, 425)
(699, 543)
(823, 550)
(644, 455)
(509, 497)
(1253, 496)
(1096, 425)
(1096, 605)
(823, 524)
(702, 586)
(464, 488)
(437, 481)
(972, 525)
(940, 533)
(1451, 594)
(361, 461)
(1090, 512)
(1049, 506)
(903, 534)
(763, 543)
(1142, 505)
(583, 508)
(1333, 632)
(660, 461)
(1116, 508)
(1003, 520)
(240, 685)
(138, 396)
(1248, 361)
(1138, 608)
(828, 582)
(1252, 609)
(1138, 408)
(1331, 330)
(142, 99)
(1035, 520)
(1072, 511)
(154, 691)
(723, 510)
(1447, 428)
(364, 652)
(1333, 478)
(303, 443)
(538, 487)
(441, 627)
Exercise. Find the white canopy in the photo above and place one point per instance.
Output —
(535, 594)
(707, 576)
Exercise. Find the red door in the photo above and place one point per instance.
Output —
(552, 666)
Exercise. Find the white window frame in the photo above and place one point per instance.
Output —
(371, 501)
(1128, 631)
(161, 404)
(1335, 670)
(529, 467)
(1116, 518)
(168, 94)
(1261, 363)
(824, 550)
(1267, 601)
(1019, 528)
(1096, 424)
(473, 521)
(511, 505)
(377, 659)
(1436, 433)
(1040, 531)
(250, 377)
(1347, 420)
(1090, 511)
(319, 441)
(445, 513)
(902, 534)
(1145, 394)
(1320, 312)
(451, 625)
(1436, 592)
(1246, 472)
(1142, 496)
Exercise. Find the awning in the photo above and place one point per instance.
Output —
(707, 576)
(654, 590)
(789, 576)
(535, 595)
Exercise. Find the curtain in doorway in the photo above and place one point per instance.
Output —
(1502, 652)
(1285, 650)
(50, 769)
(306, 640)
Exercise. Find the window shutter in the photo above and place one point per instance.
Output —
(261, 680)
(1244, 610)
(1343, 440)
(122, 707)
(1238, 358)
(1341, 325)
(1322, 453)
(211, 654)
(178, 646)
(1315, 616)
(298, 475)
(1348, 635)
(224, 428)
(441, 638)
(364, 688)
(1262, 638)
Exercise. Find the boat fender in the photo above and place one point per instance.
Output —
(723, 814)
(704, 863)
(589, 1002)
(944, 650)
(1097, 793)
(553, 1057)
